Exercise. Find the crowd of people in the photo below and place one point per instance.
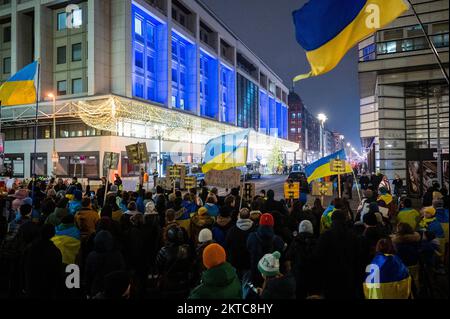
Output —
(200, 245)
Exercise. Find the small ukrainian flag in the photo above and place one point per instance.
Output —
(20, 88)
(327, 29)
(322, 167)
(226, 151)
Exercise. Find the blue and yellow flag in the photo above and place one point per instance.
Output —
(387, 278)
(322, 167)
(67, 240)
(327, 29)
(226, 151)
(20, 88)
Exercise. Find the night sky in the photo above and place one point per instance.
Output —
(266, 27)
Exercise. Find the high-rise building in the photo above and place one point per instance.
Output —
(128, 71)
(404, 96)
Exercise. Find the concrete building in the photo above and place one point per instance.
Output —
(304, 129)
(168, 73)
(401, 87)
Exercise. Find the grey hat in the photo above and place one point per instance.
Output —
(306, 227)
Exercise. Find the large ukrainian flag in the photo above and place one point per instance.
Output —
(389, 279)
(20, 88)
(67, 240)
(327, 29)
(226, 151)
(322, 167)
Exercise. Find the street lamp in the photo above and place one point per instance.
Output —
(160, 129)
(55, 156)
(341, 138)
(322, 118)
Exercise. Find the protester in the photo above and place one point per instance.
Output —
(219, 281)
(199, 221)
(276, 285)
(86, 219)
(235, 242)
(407, 214)
(67, 239)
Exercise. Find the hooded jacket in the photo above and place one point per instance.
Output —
(86, 219)
(104, 260)
(235, 244)
(262, 241)
(219, 282)
(409, 216)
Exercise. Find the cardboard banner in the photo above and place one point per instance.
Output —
(176, 171)
(190, 182)
(337, 166)
(165, 182)
(322, 189)
(249, 191)
(292, 190)
(137, 153)
(229, 178)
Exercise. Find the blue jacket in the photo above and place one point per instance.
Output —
(436, 228)
(74, 207)
(442, 215)
(140, 204)
(190, 207)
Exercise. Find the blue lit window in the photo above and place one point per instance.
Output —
(209, 86)
(149, 65)
(263, 112)
(184, 74)
(139, 59)
(272, 117)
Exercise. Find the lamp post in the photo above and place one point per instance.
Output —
(55, 156)
(322, 118)
(160, 129)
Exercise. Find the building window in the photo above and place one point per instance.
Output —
(71, 164)
(208, 84)
(40, 168)
(138, 26)
(62, 19)
(227, 102)
(7, 34)
(61, 55)
(76, 52)
(77, 86)
(77, 18)
(6, 65)
(62, 87)
(15, 163)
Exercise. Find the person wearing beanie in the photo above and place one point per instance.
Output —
(205, 238)
(86, 219)
(42, 266)
(75, 202)
(275, 286)
(261, 242)
(430, 223)
(371, 235)
(407, 214)
(300, 259)
(236, 240)
(199, 221)
(211, 205)
(219, 280)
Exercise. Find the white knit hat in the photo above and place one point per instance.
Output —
(306, 227)
(269, 265)
(205, 235)
(150, 208)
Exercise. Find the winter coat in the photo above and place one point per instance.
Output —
(86, 219)
(235, 244)
(198, 222)
(190, 207)
(301, 255)
(56, 217)
(43, 270)
(174, 263)
(280, 288)
(262, 241)
(104, 260)
(275, 206)
(152, 235)
(219, 282)
(220, 229)
(407, 248)
(133, 249)
(339, 263)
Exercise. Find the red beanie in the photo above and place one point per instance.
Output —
(266, 220)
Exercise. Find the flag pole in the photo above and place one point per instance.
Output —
(36, 131)
(430, 43)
